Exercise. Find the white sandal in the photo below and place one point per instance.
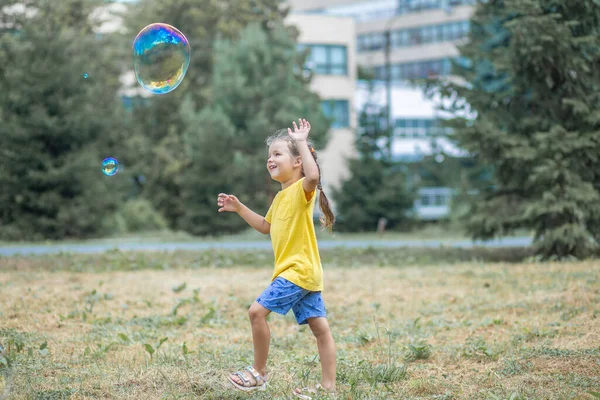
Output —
(249, 386)
(316, 390)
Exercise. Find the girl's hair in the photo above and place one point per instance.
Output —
(327, 219)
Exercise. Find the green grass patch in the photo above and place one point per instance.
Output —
(447, 325)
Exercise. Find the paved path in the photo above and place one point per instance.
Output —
(261, 245)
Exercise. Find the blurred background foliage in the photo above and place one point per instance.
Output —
(529, 71)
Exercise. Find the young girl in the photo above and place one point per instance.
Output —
(298, 277)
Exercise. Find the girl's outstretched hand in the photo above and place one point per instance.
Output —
(300, 131)
(228, 202)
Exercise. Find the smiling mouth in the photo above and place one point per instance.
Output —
(271, 168)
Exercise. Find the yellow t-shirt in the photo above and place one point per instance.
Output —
(293, 238)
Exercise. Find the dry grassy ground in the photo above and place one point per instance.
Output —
(462, 331)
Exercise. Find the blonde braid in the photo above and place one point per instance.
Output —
(328, 219)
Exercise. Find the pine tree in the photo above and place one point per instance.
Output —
(531, 75)
(377, 187)
(56, 126)
(208, 141)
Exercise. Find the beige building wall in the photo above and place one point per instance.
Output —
(431, 51)
(319, 29)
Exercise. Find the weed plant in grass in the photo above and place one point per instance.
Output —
(408, 323)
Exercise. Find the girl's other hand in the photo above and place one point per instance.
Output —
(228, 202)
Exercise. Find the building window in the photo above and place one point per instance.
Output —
(424, 69)
(415, 36)
(327, 59)
(129, 103)
(365, 10)
(379, 72)
(415, 70)
(440, 200)
(434, 197)
(419, 128)
(337, 112)
(424, 200)
(368, 10)
(370, 42)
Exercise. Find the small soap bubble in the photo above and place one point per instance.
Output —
(161, 56)
(85, 76)
(110, 166)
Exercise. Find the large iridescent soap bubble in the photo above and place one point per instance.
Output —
(161, 56)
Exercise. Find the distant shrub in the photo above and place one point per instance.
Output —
(137, 216)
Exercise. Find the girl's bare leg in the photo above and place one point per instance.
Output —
(261, 337)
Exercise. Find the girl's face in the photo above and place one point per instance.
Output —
(280, 162)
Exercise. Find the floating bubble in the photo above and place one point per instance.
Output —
(110, 166)
(85, 76)
(161, 56)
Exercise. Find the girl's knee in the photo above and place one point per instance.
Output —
(318, 326)
(256, 311)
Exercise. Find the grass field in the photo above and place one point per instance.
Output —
(407, 326)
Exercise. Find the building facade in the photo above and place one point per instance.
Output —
(423, 33)
(422, 36)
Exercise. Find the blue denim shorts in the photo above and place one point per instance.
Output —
(281, 295)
